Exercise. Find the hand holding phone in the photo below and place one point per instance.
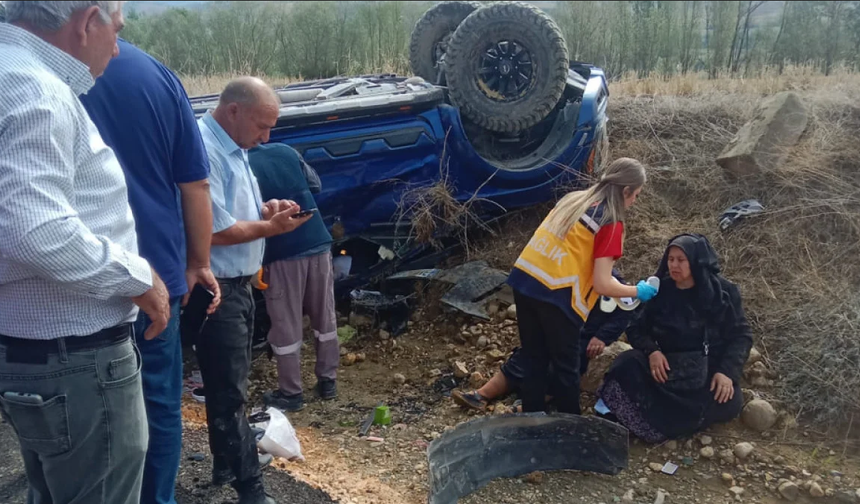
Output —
(303, 213)
(195, 313)
(284, 222)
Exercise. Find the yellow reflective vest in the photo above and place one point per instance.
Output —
(561, 263)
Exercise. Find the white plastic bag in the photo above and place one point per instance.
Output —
(280, 439)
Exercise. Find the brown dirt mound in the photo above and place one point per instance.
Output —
(798, 265)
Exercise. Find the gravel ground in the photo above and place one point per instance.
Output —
(192, 486)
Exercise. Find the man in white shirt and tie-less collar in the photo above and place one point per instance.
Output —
(247, 110)
(71, 281)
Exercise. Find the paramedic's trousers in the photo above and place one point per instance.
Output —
(548, 336)
(298, 287)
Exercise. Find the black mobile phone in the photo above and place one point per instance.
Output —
(303, 213)
(194, 314)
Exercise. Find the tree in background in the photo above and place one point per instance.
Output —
(324, 39)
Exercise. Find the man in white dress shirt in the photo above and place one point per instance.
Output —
(71, 281)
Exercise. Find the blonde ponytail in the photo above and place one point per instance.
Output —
(623, 173)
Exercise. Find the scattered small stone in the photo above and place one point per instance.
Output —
(707, 452)
(495, 355)
(629, 497)
(743, 450)
(399, 379)
(460, 370)
(535, 478)
(477, 380)
(501, 409)
(343, 351)
(789, 490)
(815, 490)
(759, 415)
(482, 342)
(736, 490)
(512, 312)
(706, 440)
(384, 335)
(661, 497)
(360, 357)
(672, 445)
(728, 479)
(655, 466)
(727, 456)
(755, 356)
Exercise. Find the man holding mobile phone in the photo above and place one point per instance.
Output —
(246, 112)
(298, 271)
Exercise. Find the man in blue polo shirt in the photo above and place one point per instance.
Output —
(143, 114)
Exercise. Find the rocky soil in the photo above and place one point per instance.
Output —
(764, 458)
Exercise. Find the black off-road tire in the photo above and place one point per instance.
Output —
(433, 28)
(529, 28)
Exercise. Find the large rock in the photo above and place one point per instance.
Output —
(764, 141)
(759, 415)
(598, 366)
(789, 490)
(743, 450)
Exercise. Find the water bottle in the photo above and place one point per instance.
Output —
(653, 282)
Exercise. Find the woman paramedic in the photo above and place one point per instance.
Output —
(562, 272)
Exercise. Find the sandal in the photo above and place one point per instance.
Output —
(517, 407)
(472, 400)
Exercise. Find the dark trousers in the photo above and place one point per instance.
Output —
(548, 336)
(161, 371)
(224, 355)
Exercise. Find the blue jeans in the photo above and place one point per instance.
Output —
(162, 394)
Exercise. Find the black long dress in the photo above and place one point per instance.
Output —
(675, 321)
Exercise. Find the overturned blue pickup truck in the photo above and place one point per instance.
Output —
(495, 110)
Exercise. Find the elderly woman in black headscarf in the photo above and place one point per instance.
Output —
(690, 344)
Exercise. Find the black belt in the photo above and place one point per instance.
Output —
(103, 338)
(242, 280)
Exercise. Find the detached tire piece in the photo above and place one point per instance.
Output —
(506, 66)
(432, 33)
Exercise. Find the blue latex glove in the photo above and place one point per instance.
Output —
(644, 291)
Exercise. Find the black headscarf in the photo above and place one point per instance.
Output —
(712, 299)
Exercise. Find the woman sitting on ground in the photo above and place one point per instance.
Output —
(601, 330)
(690, 344)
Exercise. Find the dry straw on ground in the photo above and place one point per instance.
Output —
(798, 264)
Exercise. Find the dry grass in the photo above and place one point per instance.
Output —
(433, 211)
(798, 264)
(767, 82)
(197, 85)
